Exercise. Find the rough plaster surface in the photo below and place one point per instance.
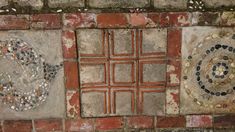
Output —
(66, 3)
(170, 4)
(119, 3)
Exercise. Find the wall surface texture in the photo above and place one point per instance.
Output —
(117, 65)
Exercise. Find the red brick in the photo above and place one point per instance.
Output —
(174, 42)
(73, 105)
(153, 19)
(224, 121)
(17, 126)
(14, 22)
(69, 44)
(172, 100)
(1, 128)
(199, 121)
(109, 123)
(105, 20)
(173, 72)
(48, 125)
(174, 19)
(79, 20)
(71, 74)
(206, 18)
(140, 122)
(227, 19)
(80, 125)
(168, 122)
(45, 21)
(138, 19)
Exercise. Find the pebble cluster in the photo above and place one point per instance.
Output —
(34, 68)
(196, 5)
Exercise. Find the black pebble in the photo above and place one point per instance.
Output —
(213, 73)
(212, 48)
(223, 93)
(200, 62)
(210, 80)
(225, 72)
(198, 78)
(217, 46)
(230, 49)
(208, 52)
(225, 46)
(207, 91)
(225, 57)
(198, 68)
(203, 87)
(214, 68)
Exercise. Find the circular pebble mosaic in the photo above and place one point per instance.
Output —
(209, 72)
(26, 84)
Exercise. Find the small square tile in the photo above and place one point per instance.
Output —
(93, 103)
(152, 72)
(123, 72)
(152, 102)
(93, 73)
(122, 42)
(91, 42)
(153, 42)
(124, 102)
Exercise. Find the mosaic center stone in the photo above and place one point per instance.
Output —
(208, 72)
(27, 85)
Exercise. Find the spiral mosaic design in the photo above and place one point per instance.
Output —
(27, 85)
(210, 70)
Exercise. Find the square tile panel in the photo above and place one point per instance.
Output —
(153, 42)
(93, 73)
(31, 75)
(123, 72)
(208, 63)
(129, 80)
(122, 42)
(91, 47)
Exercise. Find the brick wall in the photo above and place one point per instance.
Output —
(124, 63)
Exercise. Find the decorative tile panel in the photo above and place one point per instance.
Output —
(207, 70)
(123, 79)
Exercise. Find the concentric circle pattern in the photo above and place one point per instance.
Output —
(209, 71)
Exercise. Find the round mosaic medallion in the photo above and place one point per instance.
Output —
(209, 72)
(24, 75)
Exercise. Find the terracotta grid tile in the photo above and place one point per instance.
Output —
(136, 59)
